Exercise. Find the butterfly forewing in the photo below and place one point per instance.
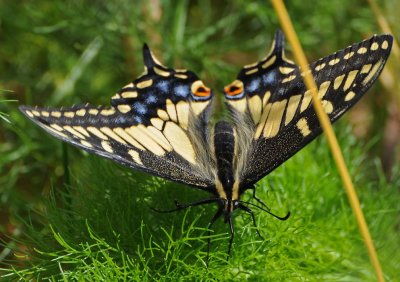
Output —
(148, 126)
(276, 107)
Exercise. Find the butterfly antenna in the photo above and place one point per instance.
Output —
(180, 206)
(267, 211)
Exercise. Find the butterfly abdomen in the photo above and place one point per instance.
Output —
(224, 147)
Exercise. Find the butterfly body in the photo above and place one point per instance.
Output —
(159, 123)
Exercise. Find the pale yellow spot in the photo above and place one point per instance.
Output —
(56, 114)
(268, 63)
(374, 46)
(239, 105)
(348, 55)
(372, 73)
(108, 131)
(334, 61)
(251, 65)
(327, 105)
(107, 147)
(128, 138)
(350, 78)
(130, 85)
(263, 119)
(362, 50)
(182, 110)
(86, 144)
(108, 112)
(116, 97)
(161, 72)
(338, 81)
(56, 127)
(302, 125)
(292, 108)
(93, 111)
(36, 113)
(97, 132)
(274, 120)
(179, 141)
(290, 78)
(181, 76)
(158, 137)
(157, 123)
(81, 112)
(145, 83)
(266, 97)
(45, 113)
(366, 68)
(162, 114)
(181, 70)
(286, 70)
(255, 107)
(74, 132)
(129, 94)
(385, 45)
(199, 107)
(306, 101)
(320, 67)
(69, 114)
(81, 130)
(251, 71)
(123, 108)
(323, 88)
(29, 113)
(349, 96)
(135, 156)
(139, 134)
(171, 110)
(56, 132)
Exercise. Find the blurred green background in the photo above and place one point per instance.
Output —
(55, 53)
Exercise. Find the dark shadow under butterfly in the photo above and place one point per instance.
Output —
(159, 123)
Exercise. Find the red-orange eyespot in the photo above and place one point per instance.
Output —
(199, 89)
(234, 89)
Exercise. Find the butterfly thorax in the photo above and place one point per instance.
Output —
(226, 184)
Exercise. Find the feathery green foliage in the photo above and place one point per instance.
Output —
(71, 216)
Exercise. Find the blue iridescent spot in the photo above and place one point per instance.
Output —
(254, 85)
(151, 98)
(163, 86)
(182, 90)
(269, 78)
(137, 119)
(140, 108)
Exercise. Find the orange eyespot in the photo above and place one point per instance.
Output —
(199, 89)
(235, 88)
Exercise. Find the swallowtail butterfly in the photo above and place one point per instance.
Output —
(159, 123)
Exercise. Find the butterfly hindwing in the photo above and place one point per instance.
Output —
(270, 101)
(149, 126)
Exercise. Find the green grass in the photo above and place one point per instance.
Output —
(68, 216)
(102, 228)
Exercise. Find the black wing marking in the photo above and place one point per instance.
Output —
(157, 124)
(270, 99)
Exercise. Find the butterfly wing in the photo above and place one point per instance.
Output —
(157, 124)
(273, 109)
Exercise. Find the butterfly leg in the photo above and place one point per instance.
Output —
(249, 211)
(258, 199)
(180, 206)
(214, 218)
(232, 236)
